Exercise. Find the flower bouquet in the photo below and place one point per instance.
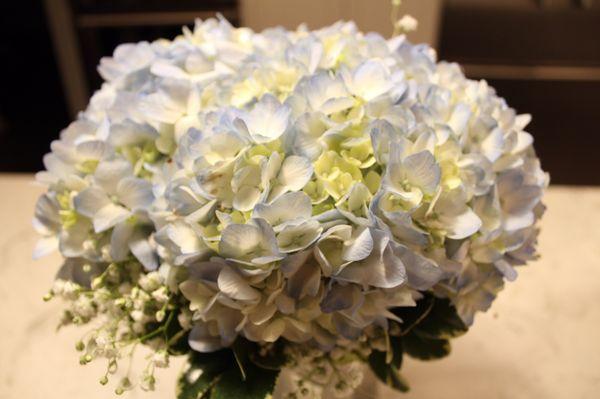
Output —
(313, 201)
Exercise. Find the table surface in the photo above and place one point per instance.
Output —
(539, 340)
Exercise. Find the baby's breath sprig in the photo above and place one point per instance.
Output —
(403, 24)
(130, 308)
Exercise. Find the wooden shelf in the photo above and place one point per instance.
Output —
(110, 20)
(535, 72)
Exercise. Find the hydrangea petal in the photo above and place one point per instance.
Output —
(90, 201)
(295, 172)
(109, 216)
(234, 286)
(134, 193)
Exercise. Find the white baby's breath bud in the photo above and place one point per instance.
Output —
(58, 287)
(148, 382)
(160, 315)
(121, 302)
(407, 23)
(185, 319)
(89, 245)
(125, 288)
(112, 366)
(140, 298)
(150, 281)
(125, 383)
(71, 290)
(105, 252)
(97, 282)
(102, 339)
(161, 294)
(85, 359)
(160, 359)
(138, 327)
(137, 315)
(84, 307)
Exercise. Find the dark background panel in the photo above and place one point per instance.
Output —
(566, 117)
(32, 107)
(544, 61)
(528, 36)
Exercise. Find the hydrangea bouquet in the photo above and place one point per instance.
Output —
(312, 201)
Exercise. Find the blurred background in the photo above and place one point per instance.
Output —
(543, 56)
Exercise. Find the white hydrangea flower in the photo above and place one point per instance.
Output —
(289, 184)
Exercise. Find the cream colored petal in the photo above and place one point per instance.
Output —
(295, 172)
(305, 281)
(119, 241)
(460, 225)
(369, 80)
(45, 246)
(273, 331)
(143, 251)
(236, 287)
(423, 171)
(294, 238)
(109, 216)
(108, 174)
(246, 198)
(262, 313)
(135, 193)
(184, 237)
(290, 206)
(201, 340)
(359, 248)
(493, 145)
(90, 201)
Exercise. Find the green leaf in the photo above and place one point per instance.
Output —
(227, 374)
(176, 336)
(397, 351)
(259, 383)
(425, 348)
(413, 315)
(433, 317)
(240, 350)
(203, 374)
(442, 321)
(389, 374)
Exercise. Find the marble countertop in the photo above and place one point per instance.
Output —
(539, 340)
